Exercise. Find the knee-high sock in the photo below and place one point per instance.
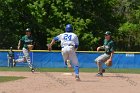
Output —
(76, 70)
(29, 62)
(99, 64)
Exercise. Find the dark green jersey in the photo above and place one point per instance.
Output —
(27, 40)
(108, 46)
(11, 54)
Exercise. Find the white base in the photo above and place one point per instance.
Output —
(68, 74)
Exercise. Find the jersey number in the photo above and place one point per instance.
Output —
(67, 37)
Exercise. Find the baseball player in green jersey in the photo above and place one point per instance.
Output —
(10, 57)
(28, 43)
(108, 46)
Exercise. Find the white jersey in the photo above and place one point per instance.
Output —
(68, 39)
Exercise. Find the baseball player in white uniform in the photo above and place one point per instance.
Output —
(69, 44)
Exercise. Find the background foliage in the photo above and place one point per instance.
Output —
(90, 18)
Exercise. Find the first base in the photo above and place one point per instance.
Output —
(68, 74)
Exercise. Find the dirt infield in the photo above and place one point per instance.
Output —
(57, 82)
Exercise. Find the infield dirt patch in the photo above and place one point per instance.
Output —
(57, 82)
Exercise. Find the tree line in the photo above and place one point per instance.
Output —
(90, 19)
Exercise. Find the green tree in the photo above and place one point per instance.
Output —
(129, 30)
(90, 18)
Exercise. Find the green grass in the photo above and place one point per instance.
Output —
(14, 69)
(110, 70)
(9, 78)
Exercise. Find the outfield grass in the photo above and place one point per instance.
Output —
(110, 70)
(9, 78)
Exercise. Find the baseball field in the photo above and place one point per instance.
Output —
(56, 80)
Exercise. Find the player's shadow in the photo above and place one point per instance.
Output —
(113, 76)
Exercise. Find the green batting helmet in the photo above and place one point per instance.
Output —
(27, 30)
(107, 33)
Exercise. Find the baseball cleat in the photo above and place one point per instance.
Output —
(68, 63)
(32, 70)
(99, 74)
(103, 70)
(77, 78)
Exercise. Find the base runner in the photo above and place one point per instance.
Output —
(69, 44)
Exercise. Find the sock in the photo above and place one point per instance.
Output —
(99, 64)
(76, 70)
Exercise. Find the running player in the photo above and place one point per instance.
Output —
(28, 43)
(69, 44)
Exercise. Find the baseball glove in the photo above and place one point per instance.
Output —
(30, 47)
(108, 63)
